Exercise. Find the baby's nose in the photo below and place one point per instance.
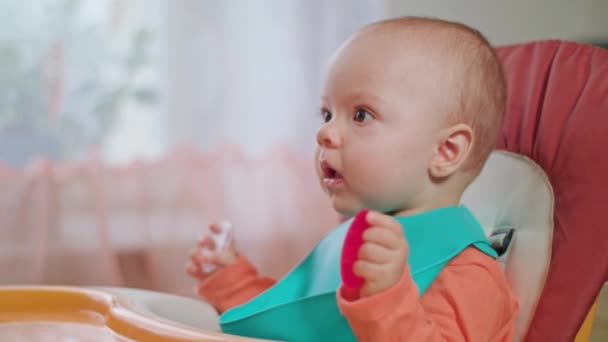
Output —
(328, 137)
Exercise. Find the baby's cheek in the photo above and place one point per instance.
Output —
(385, 185)
(365, 171)
(372, 185)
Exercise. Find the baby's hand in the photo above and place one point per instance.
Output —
(383, 255)
(215, 251)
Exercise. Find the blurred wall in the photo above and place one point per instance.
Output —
(505, 22)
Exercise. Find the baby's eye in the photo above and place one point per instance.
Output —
(362, 115)
(327, 115)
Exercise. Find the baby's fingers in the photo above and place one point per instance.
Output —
(383, 237)
(195, 271)
(374, 253)
(207, 242)
(224, 258)
(367, 270)
(215, 228)
(375, 218)
(199, 256)
(194, 255)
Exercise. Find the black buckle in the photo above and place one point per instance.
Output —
(501, 238)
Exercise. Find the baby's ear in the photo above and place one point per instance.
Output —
(452, 150)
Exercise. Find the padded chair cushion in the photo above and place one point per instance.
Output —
(513, 192)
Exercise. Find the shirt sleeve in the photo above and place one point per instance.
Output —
(469, 300)
(233, 285)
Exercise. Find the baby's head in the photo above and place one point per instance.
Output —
(412, 108)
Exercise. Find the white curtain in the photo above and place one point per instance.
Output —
(237, 82)
(137, 78)
(250, 71)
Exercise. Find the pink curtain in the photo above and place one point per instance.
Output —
(93, 224)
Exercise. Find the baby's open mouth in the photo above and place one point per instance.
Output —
(329, 172)
(331, 177)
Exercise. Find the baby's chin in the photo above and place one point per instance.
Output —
(345, 209)
(348, 204)
(349, 207)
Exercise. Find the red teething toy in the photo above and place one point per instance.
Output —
(352, 242)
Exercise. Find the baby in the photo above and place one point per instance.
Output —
(412, 108)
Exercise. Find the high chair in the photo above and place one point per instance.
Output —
(557, 118)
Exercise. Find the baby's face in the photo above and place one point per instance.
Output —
(381, 126)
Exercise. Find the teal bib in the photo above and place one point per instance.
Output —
(302, 306)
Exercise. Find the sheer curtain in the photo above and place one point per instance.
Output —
(250, 72)
(192, 111)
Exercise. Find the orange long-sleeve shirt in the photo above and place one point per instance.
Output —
(469, 300)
